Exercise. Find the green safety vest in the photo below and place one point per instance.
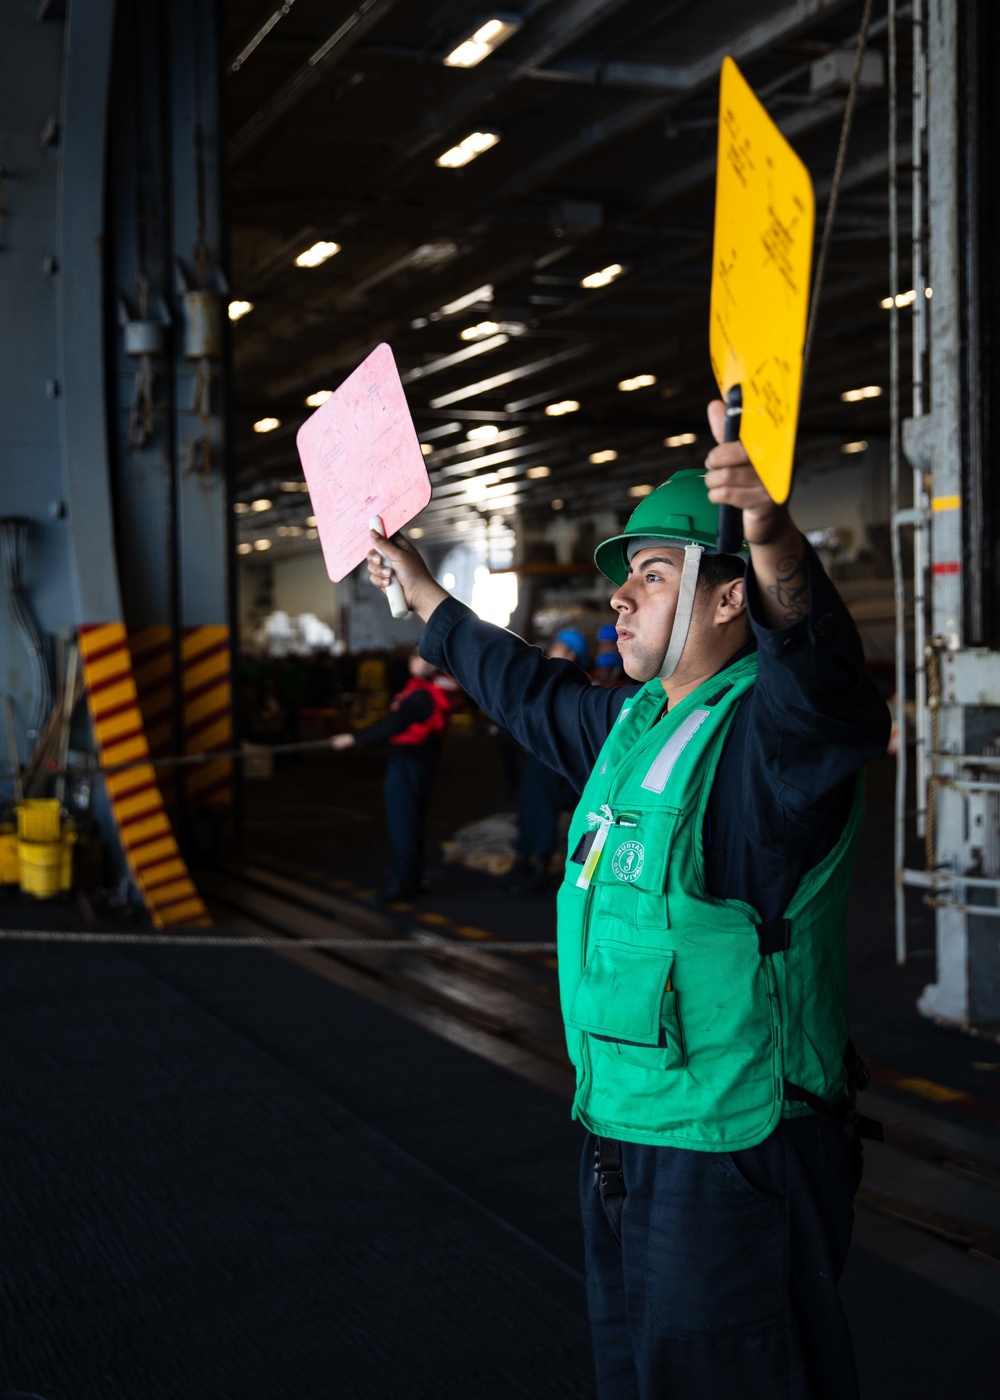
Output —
(685, 1013)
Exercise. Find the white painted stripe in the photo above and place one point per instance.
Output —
(663, 764)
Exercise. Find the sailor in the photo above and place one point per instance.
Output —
(413, 728)
(702, 950)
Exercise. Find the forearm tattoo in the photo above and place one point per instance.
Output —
(791, 588)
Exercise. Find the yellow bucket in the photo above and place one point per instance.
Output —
(43, 867)
(9, 873)
(38, 819)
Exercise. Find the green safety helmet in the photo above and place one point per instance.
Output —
(678, 512)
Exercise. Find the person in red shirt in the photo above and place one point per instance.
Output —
(414, 729)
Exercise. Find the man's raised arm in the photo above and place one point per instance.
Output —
(777, 549)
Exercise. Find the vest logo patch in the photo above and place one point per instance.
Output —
(627, 862)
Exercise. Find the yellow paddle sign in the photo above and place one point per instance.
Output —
(764, 216)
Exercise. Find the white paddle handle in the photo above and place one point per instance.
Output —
(394, 593)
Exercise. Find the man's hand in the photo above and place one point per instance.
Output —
(777, 549)
(732, 481)
(421, 591)
(342, 741)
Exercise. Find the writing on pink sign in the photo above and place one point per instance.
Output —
(361, 458)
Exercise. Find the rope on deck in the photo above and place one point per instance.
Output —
(423, 943)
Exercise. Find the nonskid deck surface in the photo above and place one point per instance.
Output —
(312, 1174)
(228, 1174)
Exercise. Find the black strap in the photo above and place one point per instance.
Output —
(844, 1111)
(610, 1178)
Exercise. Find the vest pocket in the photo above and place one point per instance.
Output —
(625, 1003)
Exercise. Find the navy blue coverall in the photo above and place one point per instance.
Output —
(720, 1278)
(409, 777)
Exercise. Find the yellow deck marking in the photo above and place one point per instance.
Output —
(927, 1089)
(946, 503)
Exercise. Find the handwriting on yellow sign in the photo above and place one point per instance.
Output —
(764, 216)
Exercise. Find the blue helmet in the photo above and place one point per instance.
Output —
(608, 633)
(576, 642)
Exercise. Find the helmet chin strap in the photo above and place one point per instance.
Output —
(685, 607)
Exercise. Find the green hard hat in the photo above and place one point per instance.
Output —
(679, 511)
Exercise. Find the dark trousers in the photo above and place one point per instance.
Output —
(409, 777)
(721, 1282)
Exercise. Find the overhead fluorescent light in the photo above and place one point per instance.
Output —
(468, 149)
(452, 308)
(260, 505)
(244, 548)
(478, 331)
(416, 533)
(558, 503)
(870, 391)
(318, 253)
(680, 440)
(311, 534)
(294, 486)
(608, 455)
(556, 410)
(320, 397)
(481, 43)
(478, 488)
(638, 381)
(849, 448)
(426, 448)
(486, 432)
(310, 520)
(240, 507)
(266, 425)
(644, 490)
(262, 544)
(602, 278)
(239, 309)
(536, 473)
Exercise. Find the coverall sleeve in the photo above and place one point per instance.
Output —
(548, 706)
(414, 710)
(814, 719)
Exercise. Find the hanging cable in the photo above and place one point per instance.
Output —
(895, 504)
(838, 177)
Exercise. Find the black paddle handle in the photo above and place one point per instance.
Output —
(730, 538)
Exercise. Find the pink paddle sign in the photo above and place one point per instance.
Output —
(361, 458)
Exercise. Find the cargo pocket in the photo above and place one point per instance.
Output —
(627, 1007)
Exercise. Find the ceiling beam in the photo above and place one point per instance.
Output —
(314, 71)
(536, 48)
(745, 45)
(510, 376)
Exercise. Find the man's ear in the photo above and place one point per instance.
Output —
(732, 600)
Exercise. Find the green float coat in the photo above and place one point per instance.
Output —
(680, 1029)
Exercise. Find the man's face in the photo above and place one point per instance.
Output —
(646, 603)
